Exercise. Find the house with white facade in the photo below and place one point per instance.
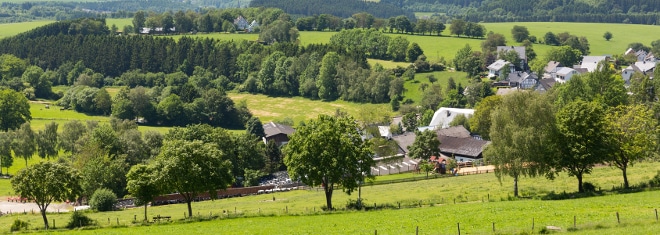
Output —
(496, 69)
(241, 23)
(590, 63)
(444, 116)
(564, 74)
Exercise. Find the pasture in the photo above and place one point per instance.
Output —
(479, 200)
(301, 109)
(415, 93)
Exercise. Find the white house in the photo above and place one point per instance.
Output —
(590, 63)
(241, 23)
(252, 26)
(444, 116)
(496, 68)
(564, 74)
(644, 67)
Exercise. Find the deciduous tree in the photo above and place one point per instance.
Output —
(45, 183)
(192, 167)
(328, 151)
(23, 143)
(522, 134)
(14, 110)
(142, 185)
(47, 141)
(426, 145)
(582, 138)
(632, 130)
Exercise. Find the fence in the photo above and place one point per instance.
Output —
(570, 222)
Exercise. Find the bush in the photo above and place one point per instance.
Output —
(19, 225)
(655, 181)
(589, 187)
(78, 219)
(103, 200)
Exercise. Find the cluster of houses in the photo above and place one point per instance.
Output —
(513, 77)
(240, 23)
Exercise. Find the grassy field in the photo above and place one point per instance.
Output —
(480, 200)
(412, 87)
(300, 109)
(12, 29)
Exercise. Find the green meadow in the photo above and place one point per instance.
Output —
(474, 201)
(302, 109)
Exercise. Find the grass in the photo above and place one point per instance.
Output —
(388, 64)
(412, 86)
(473, 210)
(301, 109)
(5, 186)
(119, 22)
(7, 30)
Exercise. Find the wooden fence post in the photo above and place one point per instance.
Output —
(574, 221)
(532, 224)
(493, 226)
(417, 230)
(459, 228)
(618, 221)
(656, 215)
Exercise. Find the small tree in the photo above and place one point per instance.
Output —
(254, 127)
(46, 182)
(192, 167)
(329, 151)
(426, 167)
(607, 35)
(23, 144)
(142, 186)
(426, 145)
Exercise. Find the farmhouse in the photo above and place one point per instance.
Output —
(460, 144)
(277, 132)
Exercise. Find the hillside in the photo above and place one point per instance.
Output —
(341, 8)
(612, 11)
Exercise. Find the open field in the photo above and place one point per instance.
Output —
(298, 108)
(119, 22)
(12, 29)
(412, 87)
(480, 200)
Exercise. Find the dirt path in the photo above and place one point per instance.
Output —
(17, 207)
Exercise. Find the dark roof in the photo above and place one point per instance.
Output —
(519, 49)
(272, 129)
(547, 83)
(455, 131)
(468, 147)
(404, 140)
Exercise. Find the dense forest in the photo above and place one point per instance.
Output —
(610, 11)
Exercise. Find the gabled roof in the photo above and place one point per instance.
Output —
(498, 65)
(565, 71)
(469, 147)
(519, 49)
(384, 131)
(629, 51)
(645, 66)
(552, 66)
(591, 62)
(518, 76)
(455, 131)
(404, 140)
(272, 129)
(546, 84)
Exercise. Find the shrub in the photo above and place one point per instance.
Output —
(103, 200)
(19, 225)
(78, 219)
(588, 187)
(655, 181)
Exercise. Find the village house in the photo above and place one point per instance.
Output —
(277, 132)
(590, 63)
(495, 70)
(564, 74)
(521, 54)
(241, 23)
